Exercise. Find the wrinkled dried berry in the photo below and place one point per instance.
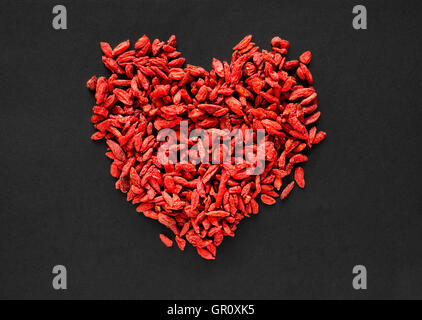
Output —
(151, 91)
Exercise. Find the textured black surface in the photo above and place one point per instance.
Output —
(362, 204)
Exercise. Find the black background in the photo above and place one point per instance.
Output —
(362, 204)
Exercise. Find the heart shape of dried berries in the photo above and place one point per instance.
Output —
(151, 101)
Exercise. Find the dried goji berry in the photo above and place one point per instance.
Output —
(151, 90)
